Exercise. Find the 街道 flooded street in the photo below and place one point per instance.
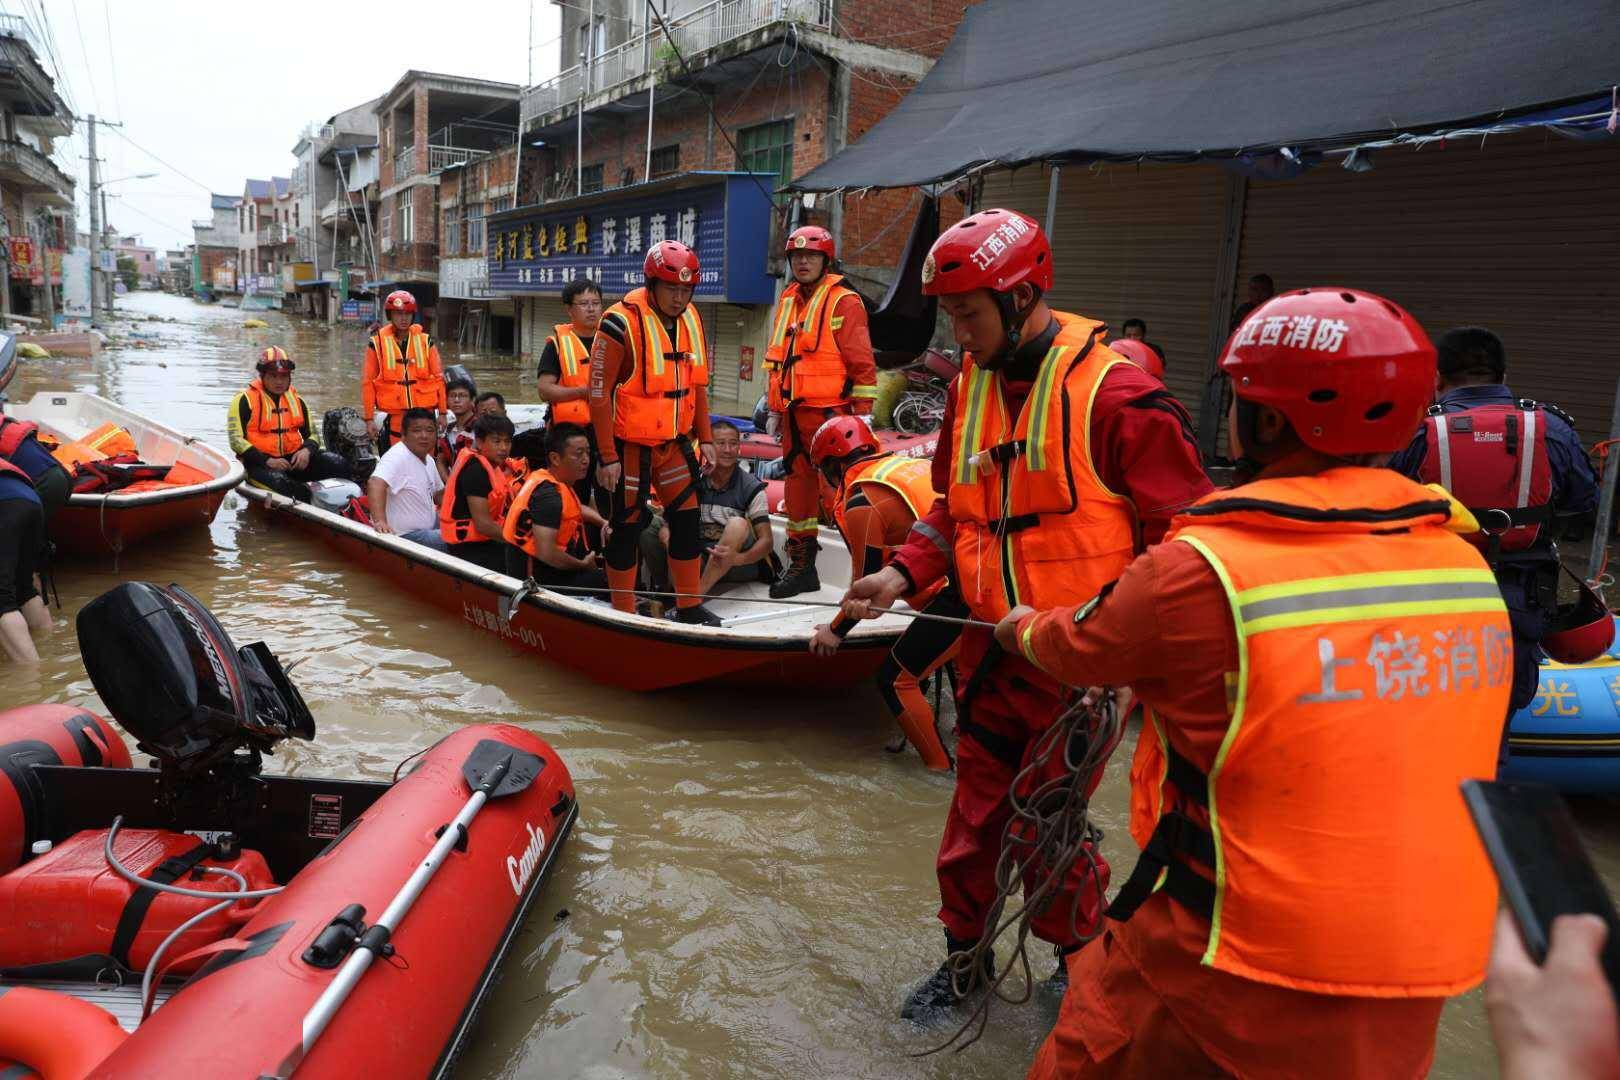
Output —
(749, 890)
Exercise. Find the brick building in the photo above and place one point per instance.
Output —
(771, 90)
(215, 248)
(469, 192)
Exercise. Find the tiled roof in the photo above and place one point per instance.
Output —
(260, 189)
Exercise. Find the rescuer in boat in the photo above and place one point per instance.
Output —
(459, 391)
(1315, 650)
(649, 403)
(1057, 459)
(734, 519)
(473, 508)
(402, 370)
(269, 430)
(1522, 472)
(564, 373)
(820, 364)
(876, 500)
(545, 525)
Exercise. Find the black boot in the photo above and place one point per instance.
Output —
(800, 575)
(1058, 984)
(698, 615)
(937, 995)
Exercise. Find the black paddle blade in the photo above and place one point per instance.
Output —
(518, 768)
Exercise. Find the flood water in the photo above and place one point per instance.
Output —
(749, 890)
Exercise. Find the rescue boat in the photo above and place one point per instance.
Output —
(762, 642)
(110, 522)
(204, 919)
(1569, 735)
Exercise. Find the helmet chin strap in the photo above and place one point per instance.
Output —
(1012, 325)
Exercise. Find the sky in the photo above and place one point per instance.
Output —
(212, 93)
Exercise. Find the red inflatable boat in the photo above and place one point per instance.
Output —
(201, 919)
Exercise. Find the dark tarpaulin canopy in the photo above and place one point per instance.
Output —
(1033, 80)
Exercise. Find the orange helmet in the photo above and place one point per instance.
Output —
(669, 260)
(275, 359)
(812, 238)
(1141, 354)
(840, 437)
(1352, 372)
(400, 300)
(993, 249)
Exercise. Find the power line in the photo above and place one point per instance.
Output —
(172, 168)
(112, 57)
(127, 205)
(89, 69)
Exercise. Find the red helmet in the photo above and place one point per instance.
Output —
(1141, 354)
(812, 238)
(275, 359)
(993, 249)
(400, 300)
(1582, 632)
(1352, 372)
(840, 437)
(668, 260)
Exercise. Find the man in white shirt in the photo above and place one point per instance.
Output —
(403, 492)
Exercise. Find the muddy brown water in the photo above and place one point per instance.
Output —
(749, 890)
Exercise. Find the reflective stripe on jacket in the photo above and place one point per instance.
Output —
(275, 426)
(802, 357)
(655, 402)
(575, 362)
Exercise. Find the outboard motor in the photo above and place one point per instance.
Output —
(345, 435)
(458, 375)
(170, 675)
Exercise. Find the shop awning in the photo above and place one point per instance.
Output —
(1056, 80)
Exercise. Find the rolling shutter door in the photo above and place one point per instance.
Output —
(722, 322)
(1134, 242)
(1521, 235)
(541, 314)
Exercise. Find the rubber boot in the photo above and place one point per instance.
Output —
(698, 615)
(1057, 984)
(800, 576)
(937, 995)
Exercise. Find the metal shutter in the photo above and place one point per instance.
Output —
(1521, 235)
(1133, 242)
(722, 323)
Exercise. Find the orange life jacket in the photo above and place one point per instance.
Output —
(405, 379)
(1333, 851)
(802, 358)
(108, 440)
(456, 530)
(575, 361)
(910, 478)
(12, 434)
(275, 426)
(521, 536)
(655, 402)
(1034, 523)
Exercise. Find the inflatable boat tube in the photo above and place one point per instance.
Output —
(1569, 736)
(44, 735)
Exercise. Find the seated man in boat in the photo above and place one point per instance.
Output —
(545, 525)
(22, 538)
(876, 499)
(402, 370)
(460, 391)
(489, 403)
(403, 492)
(270, 432)
(473, 508)
(734, 523)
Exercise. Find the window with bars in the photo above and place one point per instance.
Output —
(768, 149)
(407, 217)
(451, 240)
(475, 230)
(590, 179)
(666, 160)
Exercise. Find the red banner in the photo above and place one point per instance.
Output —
(22, 256)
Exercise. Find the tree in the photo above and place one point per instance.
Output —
(130, 276)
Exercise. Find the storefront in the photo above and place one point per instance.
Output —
(535, 251)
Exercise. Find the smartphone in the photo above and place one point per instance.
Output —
(1538, 856)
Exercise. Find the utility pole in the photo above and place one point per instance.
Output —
(95, 227)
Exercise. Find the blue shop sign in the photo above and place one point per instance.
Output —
(724, 217)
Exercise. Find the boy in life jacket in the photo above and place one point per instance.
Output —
(876, 499)
(473, 508)
(820, 364)
(649, 403)
(459, 392)
(1520, 469)
(1313, 648)
(402, 370)
(545, 525)
(1057, 458)
(269, 429)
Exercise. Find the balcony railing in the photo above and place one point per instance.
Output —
(273, 234)
(16, 26)
(709, 27)
(405, 163)
(34, 172)
(441, 158)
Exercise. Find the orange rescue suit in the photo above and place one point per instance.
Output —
(573, 521)
(575, 361)
(656, 402)
(1034, 523)
(803, 359)
(456, 530)
(1373, 649)
(275, 426)
(397, 379)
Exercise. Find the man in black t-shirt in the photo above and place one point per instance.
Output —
(545, 526)
(475, 497)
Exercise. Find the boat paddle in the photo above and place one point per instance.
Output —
(493, 769)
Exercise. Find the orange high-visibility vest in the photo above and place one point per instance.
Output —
(275, 427)
(404, 379)
(456, 530)
(575, 361)
(655, 402)
(802, 357)
(910, 478)
(1034, 523)
(1375, 662)
(520, 534)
